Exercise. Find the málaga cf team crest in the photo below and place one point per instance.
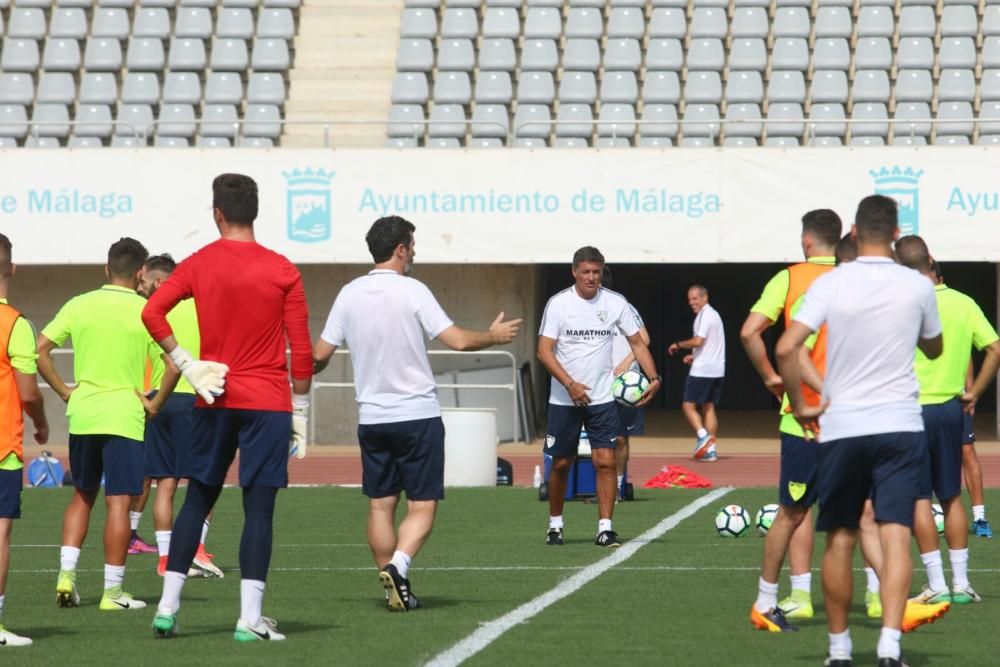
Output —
(308, 208)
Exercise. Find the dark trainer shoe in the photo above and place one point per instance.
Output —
(607, 538)
(554, 537)
(398, 589)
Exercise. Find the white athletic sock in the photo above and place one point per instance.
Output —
(68, 558)
(620, 478)
(767, 596)
(204, 531)
(170, 601)
(802, 582)
(402, 562)
(134, 518)
(556, 522)
(252, 600)
(979, 512)
(840, 645)
(935, 570)
(1, 604)
(114, 575)
(603, 525)
(702, 433)
(959, 567)
(163, 542)
(874, 585)
(888, 643)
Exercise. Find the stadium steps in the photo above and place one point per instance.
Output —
(344, 65)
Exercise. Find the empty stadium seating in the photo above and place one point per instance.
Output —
(612, 73)
(144, 72)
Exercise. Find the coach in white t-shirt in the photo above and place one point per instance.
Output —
(703, 388)
(574, 345)
(877, 314)
(385, 318)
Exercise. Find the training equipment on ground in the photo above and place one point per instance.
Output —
(938, 518)
(732, 521)
(45, 471)
(629, 387)
(765, 517)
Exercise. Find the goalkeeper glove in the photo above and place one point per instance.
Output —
(300, 426)
(207, 377)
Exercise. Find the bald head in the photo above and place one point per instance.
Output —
(912, 252)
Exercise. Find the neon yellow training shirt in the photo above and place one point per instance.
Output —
(183, 320)
(111, 347)
(771, 305)
(23, 355)
(962, 326)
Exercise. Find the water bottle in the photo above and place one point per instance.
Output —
(537, 479)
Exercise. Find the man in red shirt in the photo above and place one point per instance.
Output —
(250, 301)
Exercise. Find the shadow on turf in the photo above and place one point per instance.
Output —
(912, 658)
(285, 627)
(45, 632)
(427, 602)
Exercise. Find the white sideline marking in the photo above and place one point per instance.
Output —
(487, 633)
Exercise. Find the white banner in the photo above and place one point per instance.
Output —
(497, 206)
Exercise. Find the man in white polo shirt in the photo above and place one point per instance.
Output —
(384, 318)
(877, 314)
(703, 388)
(574, 345)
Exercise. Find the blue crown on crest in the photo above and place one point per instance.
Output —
(308, 176)
(896, 176)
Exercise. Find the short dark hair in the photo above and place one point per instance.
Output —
(386, 234)
(607, 280)
(936, 268)
(163, 263)
(823, 225)
(587, 253)
(701, 288)
(6, 255)
(912, 251)
(847, 249)
(877, 219)
(235, 195)
(125, 257)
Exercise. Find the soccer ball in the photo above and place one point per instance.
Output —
(732, 521)
(629, 387)
(765, 517)
(938, 518)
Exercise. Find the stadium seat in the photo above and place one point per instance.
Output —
(152, 22)
(542, 23)
(112, 23)
(235, 23)
(956, 85)
(193, 22)
(50, 120)
(185, 88)
(744, 88)
(264, 120)
(785, 120)
(84, 142)
(873, 53)
(702, 121)
(914, 85)
(276, 23)
(494, 88)
(205, 141)
(667, 54)
(655, 142)
(578, 88)
(917, 113)
(137, 88)
(68, 23)
(870, 86)
(915, 53)
(829, 86)
(661, 88)
(954, 118)
(867, 141)
(781, 142)
(613, 142)
(622, 54)
(917, 21)
(786, 87)
(740, 142)
(536, 88)
(61, 55)
(484, 142)
(748, 22)
(452, 88)
(708, 23)
(581, 55)
(186, 54)
(702, 54)
(459, 24)
(443, 142)
(416, 55)
(490, 120)
(42, 142)
(457, 55)
(989, 87)
(952, 140)
(658, 121)
(531, 121)
(745, 115)
(991, 52)
(991, 20)
(171, 142)
(825, 142)
(93, 120)
(408, 88)
(570, 142)
(56, 88)
(134, 119)
(26, 23)
(827, 120)
(703, 88)
(501, 23)
(834, 22)
(958, 21)
(13, 121)
(831, 53)
(616, 120)
(541, 55)
(398, 142)
(875, 22)
(406, 120)
(790, 54)
(664, 23)
(145, 55)
(176, 120)
(629, 23)
(16, 88)
(619, 87)
(989, 110)
(748, 54)
(219, 120)
(421, 23)
(230, 55)
(270, 55)
(19, 55)
(791, 22)
(870, 119)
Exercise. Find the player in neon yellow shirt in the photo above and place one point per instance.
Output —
(943, 399)
(18, 394)
(106, 414)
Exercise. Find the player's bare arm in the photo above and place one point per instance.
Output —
(788, 352)
(987, 372)
(500, 332)
(547, 356)
(641, 352)
(322, 353)
(47, 369)
(33, 404)
(687, 344)
(626, 363)
(931, 347)
(171, 375)
(751, 335)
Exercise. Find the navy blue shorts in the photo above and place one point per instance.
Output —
(261, 436)
(631, 421)
(887, 467)
(11, 483)
(799, 466)
(168, 436)
(968, 429)
(700, 390)
(403, 456)
(566, 421)
(943, 427)
(118, 459)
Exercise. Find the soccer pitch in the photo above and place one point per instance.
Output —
(682, 598)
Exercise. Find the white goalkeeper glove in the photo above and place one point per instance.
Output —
(207, 377)
(300, 426)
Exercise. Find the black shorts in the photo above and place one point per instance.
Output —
(631, 421)
(117, 459)
(168, 437)
(968, 429)
(261, 436)
(11, 483)
(699, 390)
(943, 427)
(799, 466)
(566, 421)
(403, 456)
(887, 467)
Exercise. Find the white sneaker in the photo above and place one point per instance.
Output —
(9, 640)
(931, 596)
(964, 595)
(265, 630)
(203, 561)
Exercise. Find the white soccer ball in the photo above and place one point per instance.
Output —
(938, 518)
(629, 387)
(732, 521)
(765, 517)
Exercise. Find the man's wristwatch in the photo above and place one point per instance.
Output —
(657, 378)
